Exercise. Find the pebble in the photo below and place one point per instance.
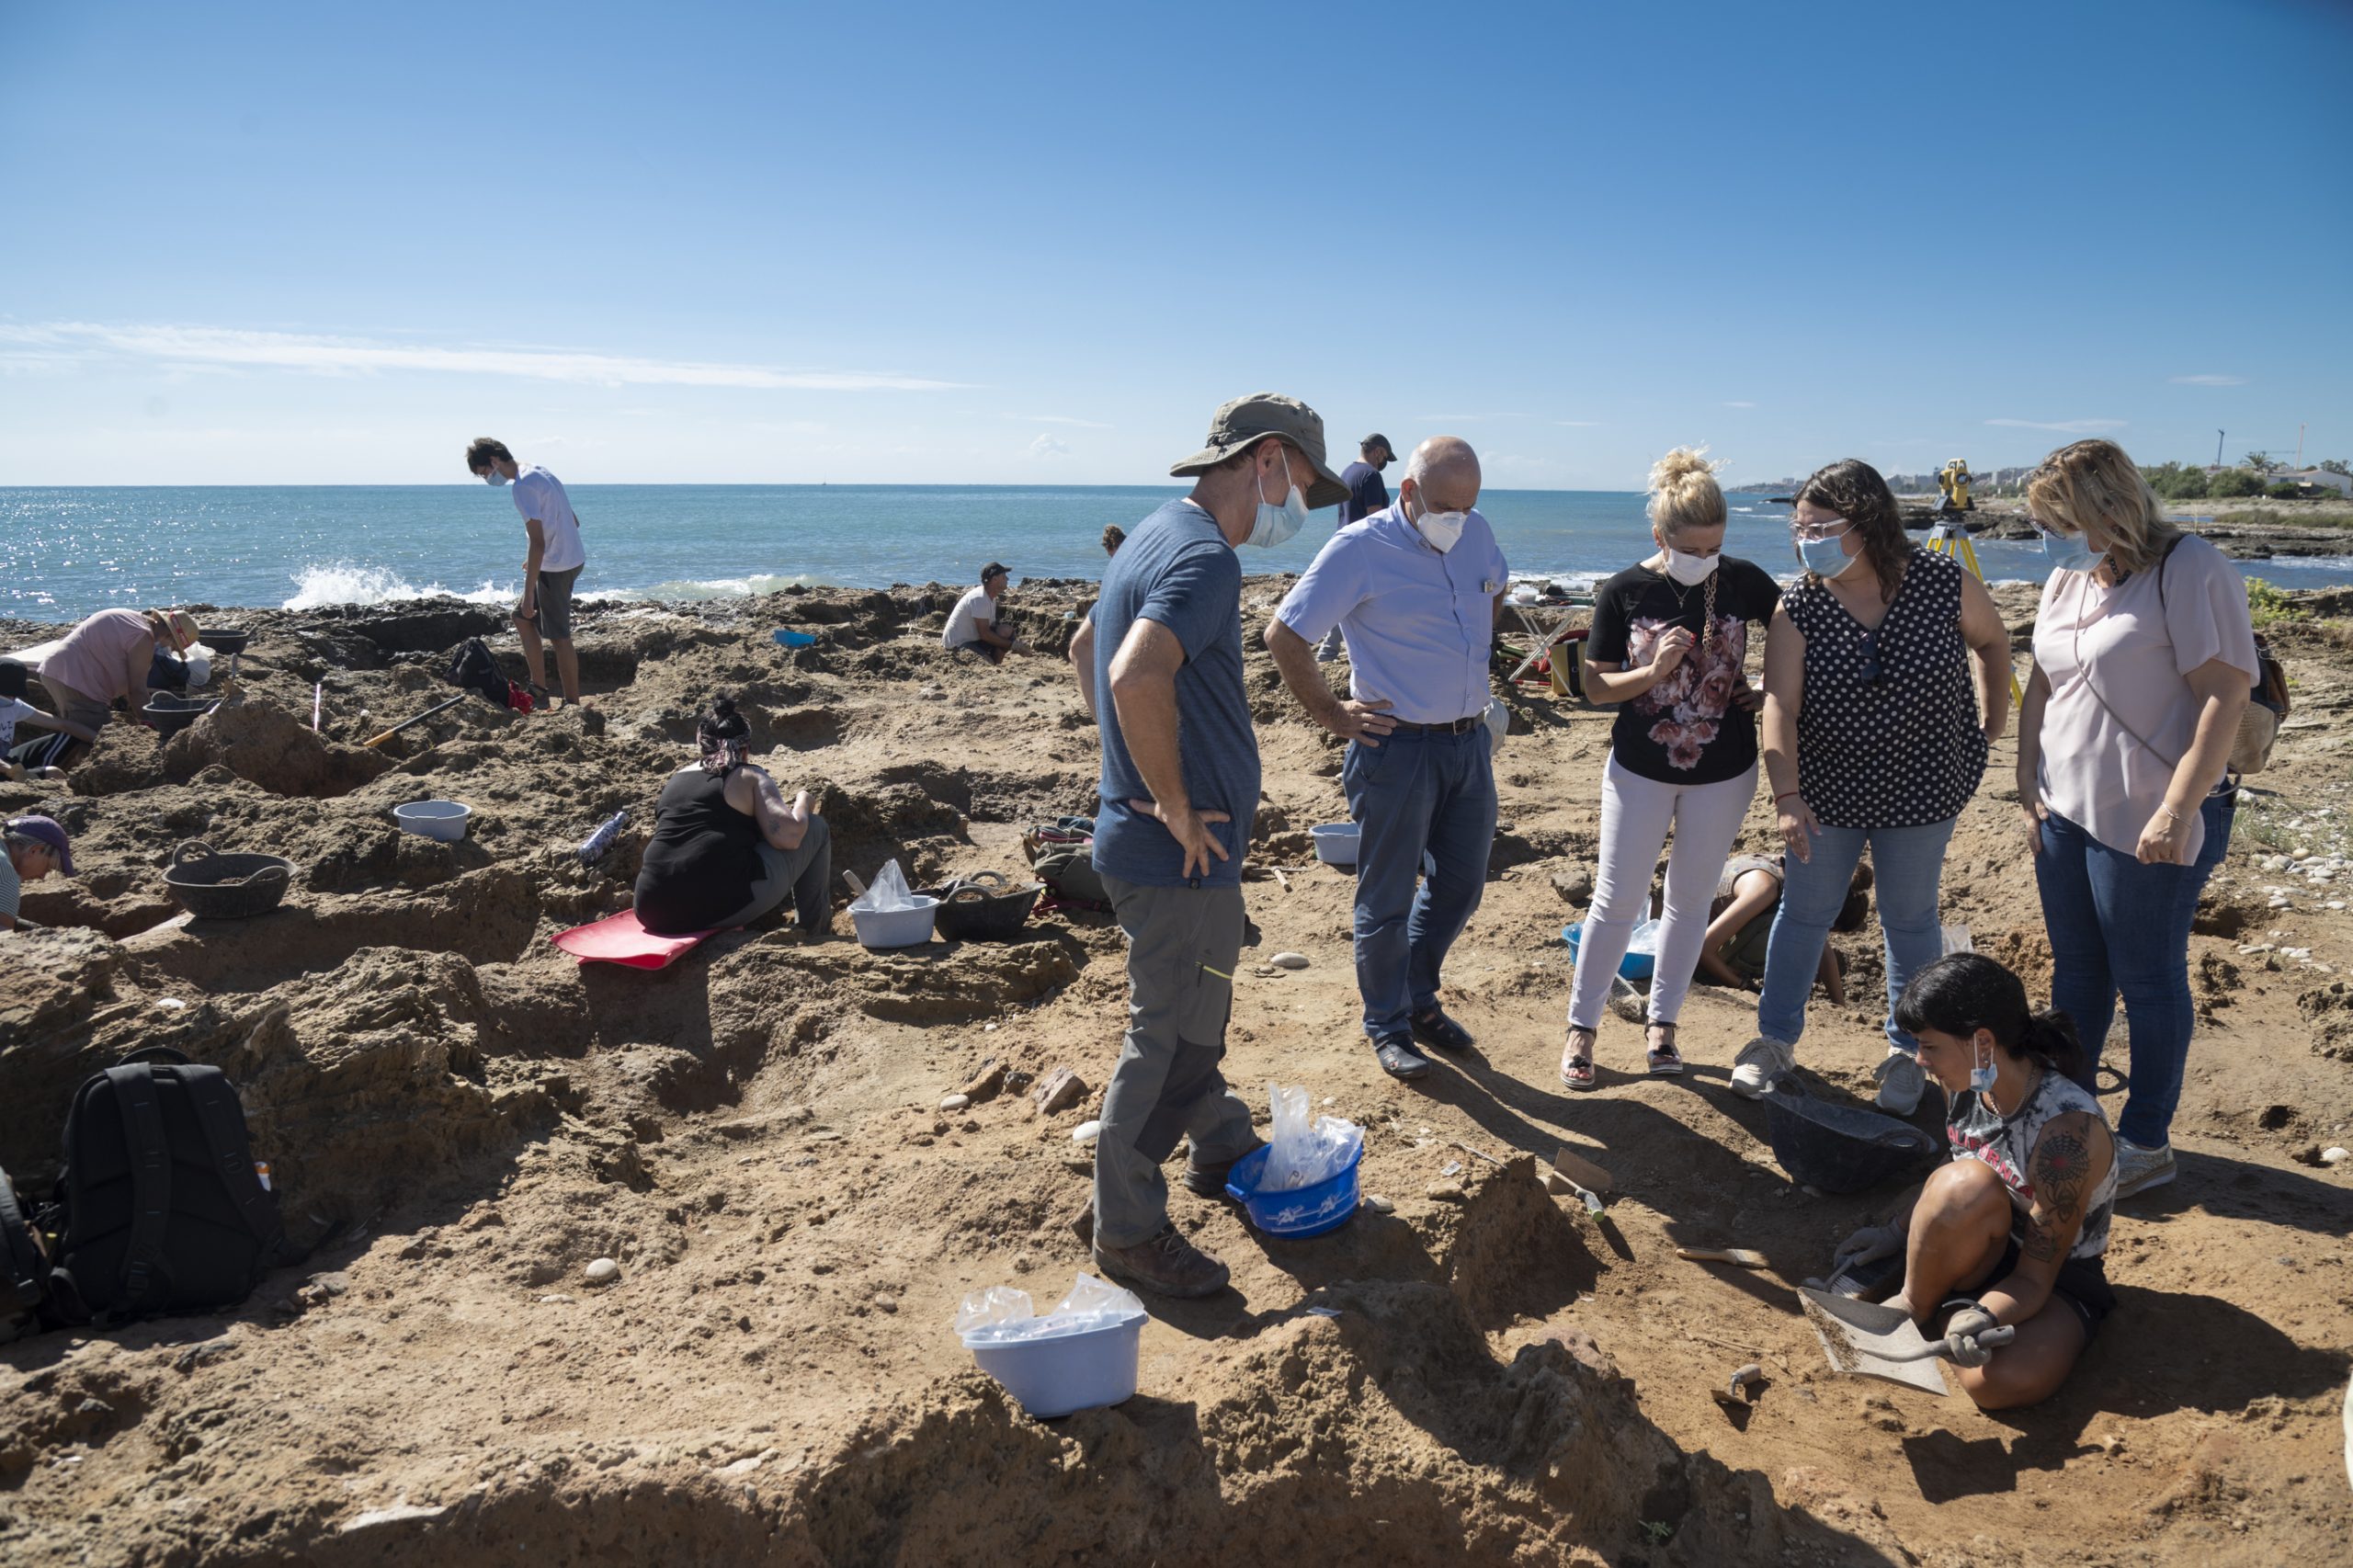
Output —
(955, 1102)
(1086, 1132)
(1381, 1205)
(886, 1303)
(1288, 960)
(603, 1271)
(1444, 1191)
(2333, 1154)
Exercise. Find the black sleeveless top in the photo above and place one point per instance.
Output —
(1888, 730)
(699, 867)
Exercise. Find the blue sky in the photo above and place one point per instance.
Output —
(1038, 244)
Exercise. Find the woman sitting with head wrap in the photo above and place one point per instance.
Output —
(726, 847)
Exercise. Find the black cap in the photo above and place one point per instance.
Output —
(993, 569)
(1381, 441)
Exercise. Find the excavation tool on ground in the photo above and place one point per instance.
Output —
(421, 718)
(1951, 539)
(1876, 1341)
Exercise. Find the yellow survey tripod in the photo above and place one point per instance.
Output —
(1951, 539)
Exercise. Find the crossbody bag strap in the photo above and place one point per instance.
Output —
(143, 1270)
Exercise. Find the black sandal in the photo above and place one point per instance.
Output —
(1665, 1062)
(1576, 1071)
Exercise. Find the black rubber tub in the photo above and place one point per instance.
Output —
(170, 712)
(224, 638)
(226, 887)
(1839, 1148)
(983, 907)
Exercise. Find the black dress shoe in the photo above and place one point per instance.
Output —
(1398, 1059)
(1435, 1028)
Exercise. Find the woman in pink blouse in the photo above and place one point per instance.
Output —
(2143, 658)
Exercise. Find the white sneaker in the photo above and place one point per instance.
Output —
(1900, 1083)
(2139, 1169)
(1760, 1061)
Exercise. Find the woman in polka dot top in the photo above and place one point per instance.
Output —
(1872, 739)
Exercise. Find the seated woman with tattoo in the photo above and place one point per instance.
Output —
(2013, 1229)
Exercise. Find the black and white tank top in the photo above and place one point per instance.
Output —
(2009, 1149)
(1888, 729)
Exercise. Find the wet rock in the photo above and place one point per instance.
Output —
(601, 1271)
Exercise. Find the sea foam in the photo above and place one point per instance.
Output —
(317, 588)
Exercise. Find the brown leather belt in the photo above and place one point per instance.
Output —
(1459, 727)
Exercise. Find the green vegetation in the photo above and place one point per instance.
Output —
(2176, 481)
(2307, 517)
(2233, 482)
(2267, 604)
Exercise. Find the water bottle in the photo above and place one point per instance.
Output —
(602, 839)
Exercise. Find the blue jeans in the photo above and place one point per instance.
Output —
(1425, 803)
(2118, 925)
(1907, 865)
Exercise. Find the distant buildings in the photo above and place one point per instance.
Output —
(2319, 479)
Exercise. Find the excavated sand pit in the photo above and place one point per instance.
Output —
(459, 1120)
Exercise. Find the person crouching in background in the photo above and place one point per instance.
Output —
(726, 847)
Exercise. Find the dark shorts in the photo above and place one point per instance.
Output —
(2081, 1286)
(554, 617)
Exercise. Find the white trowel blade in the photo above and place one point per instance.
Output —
(1852, 1332)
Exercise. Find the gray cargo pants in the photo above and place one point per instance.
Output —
(1182, 947)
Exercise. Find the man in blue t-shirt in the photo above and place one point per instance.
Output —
(1366, 495)
(1174, 820)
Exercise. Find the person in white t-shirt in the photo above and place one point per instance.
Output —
(15, 712)
(973, 622)
(551, 566)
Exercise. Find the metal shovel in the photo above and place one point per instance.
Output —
(1876, 1341)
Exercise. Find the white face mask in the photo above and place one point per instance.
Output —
(1443, 529)
(1276, 524)
(1690, 570)
(493, 478)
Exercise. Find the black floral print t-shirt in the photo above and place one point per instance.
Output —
(1685, 729)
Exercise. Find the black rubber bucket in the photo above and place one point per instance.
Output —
(1839, 1148)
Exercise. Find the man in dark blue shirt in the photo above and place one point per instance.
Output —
(1178, 792)
(1366, 495)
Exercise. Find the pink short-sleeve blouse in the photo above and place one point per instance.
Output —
(2107, 764)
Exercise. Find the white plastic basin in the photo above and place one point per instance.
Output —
(1335, 843)
(1082, 1368)
(895, 927)
(444, 819)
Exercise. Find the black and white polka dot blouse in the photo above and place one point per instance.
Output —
(1888, 729)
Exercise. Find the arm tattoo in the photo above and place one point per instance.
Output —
(2061, 1164)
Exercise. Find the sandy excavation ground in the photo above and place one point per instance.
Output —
(459, 1119)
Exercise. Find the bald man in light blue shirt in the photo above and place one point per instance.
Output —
(1415, 590)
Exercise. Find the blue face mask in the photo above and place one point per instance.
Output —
(1825, 557)
(2070, 552)
(493, 478)
(1980, 1077)
(1275, 523)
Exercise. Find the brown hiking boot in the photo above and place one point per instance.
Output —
(1168, 1265)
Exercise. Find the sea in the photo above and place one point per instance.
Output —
(69, 552)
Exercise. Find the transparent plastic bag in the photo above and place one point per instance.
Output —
(999, 1304)
(1957, 939)
(1305, 1148)
(888, 892)
(1001, 1316)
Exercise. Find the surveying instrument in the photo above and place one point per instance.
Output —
(1951, 539)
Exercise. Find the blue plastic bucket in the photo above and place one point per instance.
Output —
(1063, 1370)
(1302, 1210)
(1633, 966)
(788, 639)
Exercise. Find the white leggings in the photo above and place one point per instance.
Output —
(1635, 814)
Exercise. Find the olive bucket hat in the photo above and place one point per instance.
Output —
(1254, 418)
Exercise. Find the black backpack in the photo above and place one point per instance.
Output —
(161, 1209)
(474, 668)
(24, 1268)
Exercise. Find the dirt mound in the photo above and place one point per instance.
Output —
(264, 743)
(1508, 1251)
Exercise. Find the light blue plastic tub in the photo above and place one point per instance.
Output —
(1335, 843)
(1084, 1367)
(1633, 966)
(787, 638)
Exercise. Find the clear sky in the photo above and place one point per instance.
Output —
(1038, 244)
